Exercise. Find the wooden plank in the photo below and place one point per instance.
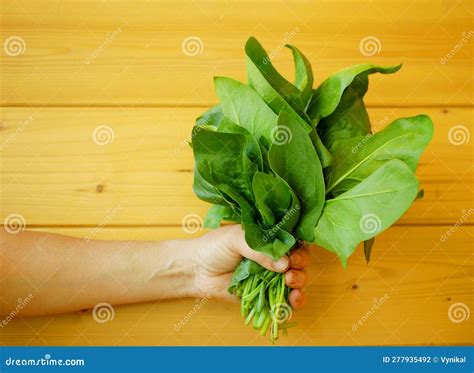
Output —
(53, 173)
(413, 279)
(124, 53)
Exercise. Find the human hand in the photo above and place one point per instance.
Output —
(220, 251)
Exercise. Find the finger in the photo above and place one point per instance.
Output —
(297, 299)
(280, 265)
(295, 279)
(299, 258)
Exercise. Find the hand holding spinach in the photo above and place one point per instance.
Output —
(295, 164)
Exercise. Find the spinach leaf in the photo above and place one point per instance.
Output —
(252, 149)
(264, 147)
(241, 104)
(367, 209)
(212, 117)
(296, 161)
(206, 191)
(276, 202)
(324, 154)
(275, 90)
(245, 268)
(216, 214)
(272, 197)
(350, 118)
(280, 94)
(272, 241)
(303, 75)
(357, 158)
(221, 159)
(327, 96)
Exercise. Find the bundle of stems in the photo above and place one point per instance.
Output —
(264, 298)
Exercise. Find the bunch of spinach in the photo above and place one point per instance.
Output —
(291, 163)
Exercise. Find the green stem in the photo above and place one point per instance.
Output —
(260, 295)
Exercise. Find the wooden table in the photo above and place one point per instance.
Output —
(122, 64)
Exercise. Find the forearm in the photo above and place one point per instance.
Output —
(66, 274)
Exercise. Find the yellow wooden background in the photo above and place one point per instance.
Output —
(122, 64)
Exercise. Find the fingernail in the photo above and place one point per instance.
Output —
(296, 258)
(281, 264)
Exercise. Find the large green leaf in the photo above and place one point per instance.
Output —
(221, 160)
(272, 197)
(293, 157)
(217, 214)
(275, 90)
(274, 241)
(355, 159)
(276, 202)
(252, 149)
(350, 118)
(303, 74)
(206, 191)
(324, 154)
(327, 96)
(367, 209)
(280, 94)
(242, 104)
(212, 117)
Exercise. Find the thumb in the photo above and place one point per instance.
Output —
(280, 265)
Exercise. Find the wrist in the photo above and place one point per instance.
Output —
(177, 275)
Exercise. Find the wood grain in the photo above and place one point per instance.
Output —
(55, 174)
(418, 276)
(112, 53)
(121, 64)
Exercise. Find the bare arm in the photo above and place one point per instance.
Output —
(64, 274)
